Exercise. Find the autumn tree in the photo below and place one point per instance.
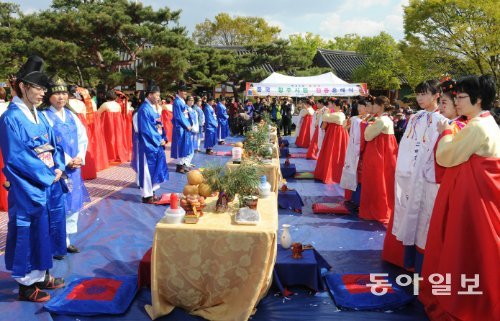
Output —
(225, 30)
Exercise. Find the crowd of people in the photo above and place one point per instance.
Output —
(432, 177)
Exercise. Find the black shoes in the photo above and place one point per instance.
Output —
(221, 143)
(148, 200)
(32, 293)
(180, 169)
(50, 283)
(209, 151)
(73, 249)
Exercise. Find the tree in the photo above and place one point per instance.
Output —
(419, 64)
(86, 41)
(348, 42)
(234, 31)
(382, 57)
(308, 44)
(13, 38)
(464, 29)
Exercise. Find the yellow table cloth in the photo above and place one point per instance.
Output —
(215, 269)
(271, 170)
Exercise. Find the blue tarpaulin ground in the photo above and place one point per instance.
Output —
(116, 232)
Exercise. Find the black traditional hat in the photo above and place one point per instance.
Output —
(31, 72)
(181, 86)
(56, 85)
(152, 87)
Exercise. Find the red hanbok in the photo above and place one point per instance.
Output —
(312, 151)
(166, 119)
(377, 181)
(114, 132)
(304, 137)
(463, 239)
(332, 154)
(122, 100)
(3, 192)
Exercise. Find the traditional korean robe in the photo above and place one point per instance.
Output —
(31, 156)
(71, 136)
(332, 155)
(151, 157)
(210, 127)
(349, 178)
(181, 137)
(304, 135)
(463, 237)
(222, 118)
(379, 165)
(416, 186)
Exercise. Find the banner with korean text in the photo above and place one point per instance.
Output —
(304, 90)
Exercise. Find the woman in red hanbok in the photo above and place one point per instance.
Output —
(81, 109)
(379, 165)
(167, 115)
(463, 244)
(312, 151)
(306, 115)
(332, 154)
(113, 129)
(3, 190)
(127, 111)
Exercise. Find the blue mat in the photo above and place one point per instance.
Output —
(111, 245)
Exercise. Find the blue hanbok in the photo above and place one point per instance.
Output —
(71, 136)
(201, 120)
(150, 152)
(222, 118)
(30, 156)
(181, 137)
(195, 132)
(210, 127)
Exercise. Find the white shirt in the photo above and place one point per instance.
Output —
(83, 140)
(3, 106)
(78, 106)
(18, 101)
(111, 106)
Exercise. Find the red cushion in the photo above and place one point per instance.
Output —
(329, 208)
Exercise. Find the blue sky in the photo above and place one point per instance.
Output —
(328, 18)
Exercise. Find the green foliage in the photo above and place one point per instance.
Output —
(243, 179)
(348, 42)
(13, 38)
(214, 176)
(463, 31)
(255, 141)
(234, 31)
(380, 70)
(81, 40)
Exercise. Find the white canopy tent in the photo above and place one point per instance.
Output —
(324, 79)
(327, 84)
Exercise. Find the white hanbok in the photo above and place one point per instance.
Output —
(349, 178)
(415, 181)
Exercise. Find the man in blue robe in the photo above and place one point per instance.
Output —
(151, 140)
(222, 118)
(181, 137)
(32, 165)
(210, 126)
